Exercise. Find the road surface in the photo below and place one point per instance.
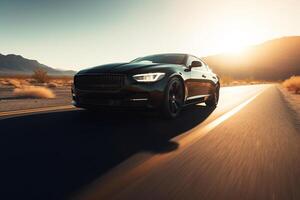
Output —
(246, 148)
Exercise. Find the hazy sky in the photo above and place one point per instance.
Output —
(74, 34)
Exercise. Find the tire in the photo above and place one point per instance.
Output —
(173, 98)
(214, 98)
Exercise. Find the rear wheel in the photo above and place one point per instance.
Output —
(213, 99)
(173, 99)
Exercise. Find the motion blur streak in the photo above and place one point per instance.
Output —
(32, 111)
(103, 189)
(205, 130)
(224, 117)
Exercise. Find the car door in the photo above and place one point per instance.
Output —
(212, 79)
(197, 86)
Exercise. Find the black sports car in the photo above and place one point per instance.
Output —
(166, 82)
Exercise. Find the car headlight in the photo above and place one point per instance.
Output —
(149, 77)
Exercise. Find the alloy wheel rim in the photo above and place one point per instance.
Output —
(216, 97)
(175, 97)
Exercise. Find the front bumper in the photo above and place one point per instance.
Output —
(132, 95)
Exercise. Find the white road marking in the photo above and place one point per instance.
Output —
(197, 134)
(227, 115)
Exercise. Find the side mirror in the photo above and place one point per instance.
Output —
(196, 64)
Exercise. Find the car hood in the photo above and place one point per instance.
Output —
(121, 68)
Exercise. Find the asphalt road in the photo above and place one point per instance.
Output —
(246, 148)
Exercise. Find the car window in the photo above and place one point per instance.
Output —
(162, 58)
(191, 59)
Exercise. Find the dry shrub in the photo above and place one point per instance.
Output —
(62, 82)
(52, 85)
(58, 82)
(32, 81)
(236, 83)
(40, 76)
(34, 92)
(14, 82)
(17, 83)
(255, 82)
(226, 80)
(68, 83)
(24, 82)
(3, 82)
(293, 84)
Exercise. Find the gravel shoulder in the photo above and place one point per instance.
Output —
(293, 101)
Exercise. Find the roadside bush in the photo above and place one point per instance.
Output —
(40, 76)
(14, 82)
(226, 80)
(34, 92)
(52, 85)
(293, 84)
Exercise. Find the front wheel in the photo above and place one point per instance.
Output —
(213, 99)
(173, 98)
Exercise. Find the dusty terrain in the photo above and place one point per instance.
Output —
(14, 94)
(9, 103)
(293, 101)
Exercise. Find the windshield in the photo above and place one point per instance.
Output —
(163, 58)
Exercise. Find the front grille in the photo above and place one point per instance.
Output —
(99, 82)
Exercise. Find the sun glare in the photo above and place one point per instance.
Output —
(233, 42)
(234, 38)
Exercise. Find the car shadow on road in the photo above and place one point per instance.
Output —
(50, 156)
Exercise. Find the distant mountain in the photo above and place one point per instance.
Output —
(14, 64)
(273, 60)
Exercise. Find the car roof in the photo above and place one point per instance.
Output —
(175, 54)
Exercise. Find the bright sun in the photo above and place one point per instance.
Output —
(232, 42)
(235, 37)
